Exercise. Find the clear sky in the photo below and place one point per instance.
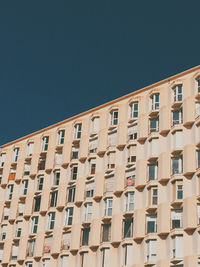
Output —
(60, 58)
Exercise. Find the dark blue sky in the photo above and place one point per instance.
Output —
(59, 58)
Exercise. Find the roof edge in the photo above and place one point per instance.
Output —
(103, 105)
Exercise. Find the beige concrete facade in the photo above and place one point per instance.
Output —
(116, 186)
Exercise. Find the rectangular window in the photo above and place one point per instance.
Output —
(132, 131)
(42, 163)
(95, 125)
(105, 257)
(153, 125)
(69, 216)
(177, 93)
(108, 207)
(177, 165)
(155, 101)
(128, 228)
(3, 231)
(114, 117)
(151, 250)
(198, 158)
(34, 224)
(40, 182)
(56, 178)
(30, 149)
(29, 264)
(2, 159)
(66, 241)
(58, 158)
(106, 232)
(151, 224)
(131, 151)
(154, 196)
(112, 138)
(78, 128)
(153, 171)
(18, 229)
(128, 252)
(197, 109)
(71, 194)
(83, 259)
(89, 189)
(10, 191)
(27, 168)
(74, 172)
(46, 263)
(134, 110)
(15, 154)
(65, 261)
(6, 212)
(111, 160)
(21, 208)
(53, 198)
(130, 201)
(75, 150)
(198, 213)
(85, 236)
(45, 142)
(61, 137)
(93, 144)
(51, 221)
(92, 168)
(88, 212)
(177, 246)
(176, 216)
(31, 247)
(178, 190)
(177, 116)
(15, 251)
(37, 201)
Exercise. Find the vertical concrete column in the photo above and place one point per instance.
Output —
(189, 213)
(164, 119)
(189, 159)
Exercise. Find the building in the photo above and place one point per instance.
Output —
(115, 186)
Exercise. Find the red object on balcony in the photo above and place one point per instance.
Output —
(46, 249)
(11, 176)
(129, 181)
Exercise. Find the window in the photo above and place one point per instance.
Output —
(197, 109)
(112, 138)
(111, 160)
(198, 158)
(132, 131)
(46, 263)
(69, 216)
(40, 183)
(77, 128)
(153, 171)
(114, 117)
(48, 241)
(153, 196)
(106, 232)
(15, 154)
(88, 212)
(128, 228)
(151, 223)
(58, 158)
(3, 231)
(30, 149)
(177, 93)
(15, 251)
(18, 229)
(176, 216)
(12, 174)
(53, 198)
(83, 259)
(75, 150)
(10, 191)
(130, 177)
(105, 257)
(36, 203)
(27, 167)
(95, 125)
(177, 246)
(56, 178)
(41, 164)
(177, 140)
(128, 252)
(74, 172)
(85, 236)
(130, 201)
(93, 144)
(155, 101)
(153, 125)
(66, 241)
(198, 84)
(6, 212)
(21, 208)
(61, 136)
(131, 151)
(31, 247)
(198, 213)
(45, 141)
(89, 189)
(177, 166)
(151, 250)
(2, 159)
(71, 194)
(29, 264)
(154, 145)
(108, 207)
(92, 168)
(178, 190)
(109, 183)
(24, 187)
(51, 220)
(134, 110)
(34, 224)
(177, 116)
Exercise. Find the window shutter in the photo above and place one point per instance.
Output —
(112, 139)
(65, 261)
(109, 184)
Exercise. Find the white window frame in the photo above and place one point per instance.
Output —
(61, 137)
(154, 129)
(88, 211)
(15, 154)
(155, 104)
(30, 149)
(178, 97)
(68, 220)
(155, 172)
(45, 143)
(114, 117)
(130, 198)
(34, 224)
(108, 206)
(77, 130)
(51, 220)
(2, 159)
(180, 165)
(134, 109)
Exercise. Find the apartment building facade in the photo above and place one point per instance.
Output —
(115, 186)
